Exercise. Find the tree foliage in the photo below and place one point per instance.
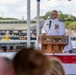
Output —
(8, 18)
(72, 25)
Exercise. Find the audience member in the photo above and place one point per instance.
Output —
(31, 62)
(6, 67)
(56, 67)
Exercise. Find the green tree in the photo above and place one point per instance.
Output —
(46, 15)
(66, 24)
(72, 25)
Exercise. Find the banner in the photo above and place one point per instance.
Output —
(65, 58)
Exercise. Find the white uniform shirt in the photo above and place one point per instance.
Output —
(68, 47)
(52, 30)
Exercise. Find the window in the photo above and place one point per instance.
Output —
(11, 47)
(20, 22)
(7, 22)
(16, 22)
(24, 21)
(3, 22)
(11, 22)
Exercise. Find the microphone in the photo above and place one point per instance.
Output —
(50, 24)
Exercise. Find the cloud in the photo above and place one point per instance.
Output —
(33, 9)
(18, 8)
(56, 3)
(43, 5)
(13, 15)
(73, 2)
(22, 9)
(9, 1)
(46, 5)
(3, 8)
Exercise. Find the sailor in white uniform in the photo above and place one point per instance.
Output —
(68, 48)
(56, 28)
(53, 26)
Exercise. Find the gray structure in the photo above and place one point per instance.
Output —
(17, 29)
(17, 26)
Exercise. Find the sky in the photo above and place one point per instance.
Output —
(18, 8)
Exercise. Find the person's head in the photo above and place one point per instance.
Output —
(9, 67)
(56, 67)
(31, 62)
(6, 66)
(2, 66)
(54, 14)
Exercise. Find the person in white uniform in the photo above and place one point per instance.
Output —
(55, 27)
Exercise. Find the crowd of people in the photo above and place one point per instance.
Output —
(29, 61)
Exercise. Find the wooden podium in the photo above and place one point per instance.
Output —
(53, 44)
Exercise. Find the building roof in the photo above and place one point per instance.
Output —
(16, 25)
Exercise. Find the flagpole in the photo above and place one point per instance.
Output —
(38, 23)
(28, 23)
